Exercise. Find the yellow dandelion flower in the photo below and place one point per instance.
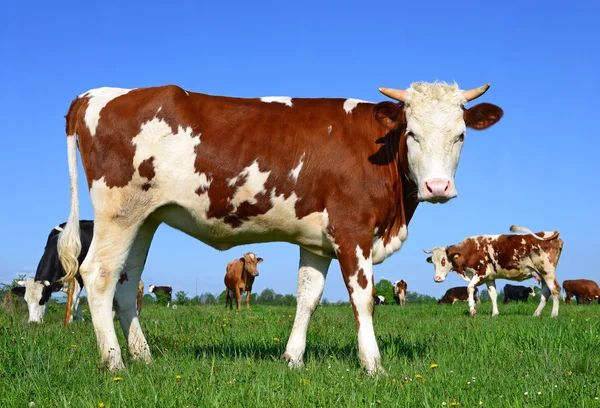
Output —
(454, 404)
(117, 379)
(303, 381)
(570, 373)
(74, 345)
(101, 405)
(178, 377)
(433, 365)
(275, 339)
(289, 316)
(378, 401)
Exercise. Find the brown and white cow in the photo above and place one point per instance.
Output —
(485, 258)
(239, 278)
(400, 288)
(457, 293)
(340, 178)
(584, 290)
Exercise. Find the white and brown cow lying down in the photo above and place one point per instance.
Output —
(340, 178)
(457, 293)
(400, 288)
(239, 278)
(485, 258)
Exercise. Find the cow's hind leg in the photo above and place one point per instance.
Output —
(493, 297)
(100, 272)
(311, 281)
(126, 293)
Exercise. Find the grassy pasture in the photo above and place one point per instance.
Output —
(207, 356)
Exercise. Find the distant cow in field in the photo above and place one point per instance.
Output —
(380, 300)
(584, 290)
(239, 277)
(8, 303)
(517, 292)
(400, 288)
(165, 290)
(453, 295)
(485, 258)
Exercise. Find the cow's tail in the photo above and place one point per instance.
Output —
(69, 241)
(515, 228)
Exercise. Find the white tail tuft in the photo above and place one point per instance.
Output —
(69, 241)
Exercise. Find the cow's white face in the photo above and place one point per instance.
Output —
(435, 131)
(33, 296)
(151, 288)
(441, 263)
(531, 291)
(435, 122)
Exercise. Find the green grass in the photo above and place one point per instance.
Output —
(230, 359)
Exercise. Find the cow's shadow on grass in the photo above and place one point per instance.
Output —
(392, 346)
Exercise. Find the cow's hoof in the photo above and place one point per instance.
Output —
(473, 313)
(293, 363)
(375, 370)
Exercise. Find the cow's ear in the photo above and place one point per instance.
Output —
(19, 291)
(259, 260)
(482, 116)
(429, 259)
(389, 115)
(243, 259)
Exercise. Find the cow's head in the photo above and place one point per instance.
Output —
(441, 263)
(151, 288)
(532, 291)
(251, 262)
(37, 295)
(435, 122)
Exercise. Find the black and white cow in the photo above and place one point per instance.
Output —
(37, 290)
(380, 300)
(167, 290)
(517, 292)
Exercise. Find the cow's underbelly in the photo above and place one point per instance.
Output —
(275, 225)
(511, 274)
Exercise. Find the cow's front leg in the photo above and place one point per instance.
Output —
(356, 263)
(311, 281)
(493, 297)
(471, 292)
(248, 293)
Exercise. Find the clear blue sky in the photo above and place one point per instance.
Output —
(538, 167)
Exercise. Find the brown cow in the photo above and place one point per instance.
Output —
(584, 290)
(400, 288)
(485, 258)
(455, 294)
(239, 278)
(8, 303)
(340, 178)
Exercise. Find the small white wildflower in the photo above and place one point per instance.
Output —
(526, 393)
(468, 382)
(32, 404)
(539, 393)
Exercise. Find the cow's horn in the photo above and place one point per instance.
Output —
(428, 251)
(476, 92)
(397, 94)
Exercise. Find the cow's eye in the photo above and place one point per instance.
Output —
(460, 138)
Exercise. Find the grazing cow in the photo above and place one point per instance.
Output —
(164, 290)
(584, 290)
(340, 178)
(49, 275)
(453, 295)
(400, 288)
(380, 300)
(517, 292)
(239, 277)
(485, 258)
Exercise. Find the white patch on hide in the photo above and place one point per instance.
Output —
(294, 173)
(350, 104)
(98, 98)
(286, 100)
(254, 185)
